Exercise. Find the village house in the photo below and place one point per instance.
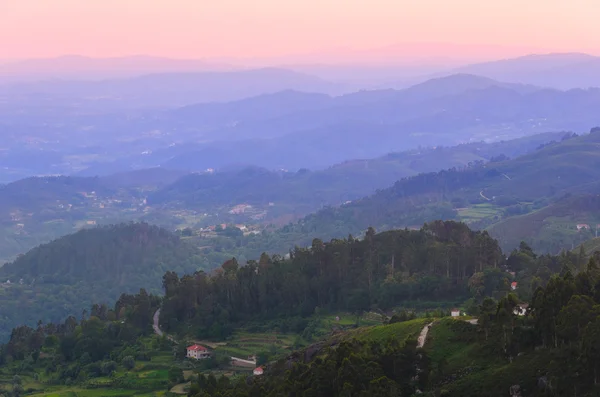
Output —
(521, 309)
(455, 312)
(197, 352)
(513, 285)
(582, 226)
(258, 371)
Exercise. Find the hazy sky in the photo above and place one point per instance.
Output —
(259, 28)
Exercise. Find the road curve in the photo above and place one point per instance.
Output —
(157, 330)
(423, 335)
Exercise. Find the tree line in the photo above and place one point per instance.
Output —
(377, 271)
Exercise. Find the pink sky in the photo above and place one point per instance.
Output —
(265, 28)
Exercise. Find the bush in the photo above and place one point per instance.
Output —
(175, 375)
(128, 362)
(108, 367)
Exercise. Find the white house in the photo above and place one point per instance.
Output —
(521, 309)
(258, 371)
(455, 312)
(197, 352)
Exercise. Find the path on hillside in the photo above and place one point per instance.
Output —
(157, 329)
(181, 388)
(481, 194)
(423, 336)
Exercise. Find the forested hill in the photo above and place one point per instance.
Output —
(569, 166)
(91, 266)
(378, 271)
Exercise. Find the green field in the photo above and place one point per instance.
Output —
(403, 331)
(244, 343)
(478, 212)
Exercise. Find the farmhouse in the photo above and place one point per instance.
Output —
(455, 312)
(513, 285)
(521, 309)
(197, 352)
(258, 371)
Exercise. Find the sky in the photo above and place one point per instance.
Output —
(275, 28)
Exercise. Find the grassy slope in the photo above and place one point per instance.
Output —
(592, 245)
(572, 165)
(555, 222)
(403, 331)
(468, 369)
(147, 375)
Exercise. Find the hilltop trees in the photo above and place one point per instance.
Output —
(380, 270)
(88, 346)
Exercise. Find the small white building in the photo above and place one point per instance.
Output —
(455, 312)
(521, 309)
(197, 352)
(258, 371)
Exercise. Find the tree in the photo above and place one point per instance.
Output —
(591, 347)
(108, 367)
(575, 316)
(487, 315)
(128, 362)
(17, 387)
(175, 375)
(262, 357)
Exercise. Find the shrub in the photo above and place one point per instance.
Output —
(128, 362)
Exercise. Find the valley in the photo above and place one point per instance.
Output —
(186, 227)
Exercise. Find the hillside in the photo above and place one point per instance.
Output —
(305, 191)
(552, 228)
(264, 307)
(67, 275)
(506, 188)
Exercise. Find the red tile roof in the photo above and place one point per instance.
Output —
(197, 348)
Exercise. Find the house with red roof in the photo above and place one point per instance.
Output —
(258, 371)
(197, 352)
(513, 285)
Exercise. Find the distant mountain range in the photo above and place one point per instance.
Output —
(96, 128)
(561, 71)
(167, 89)
(82, 67)
(294, 130)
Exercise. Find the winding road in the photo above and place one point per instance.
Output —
(423, 336)
(157, 329)
(481, 194)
